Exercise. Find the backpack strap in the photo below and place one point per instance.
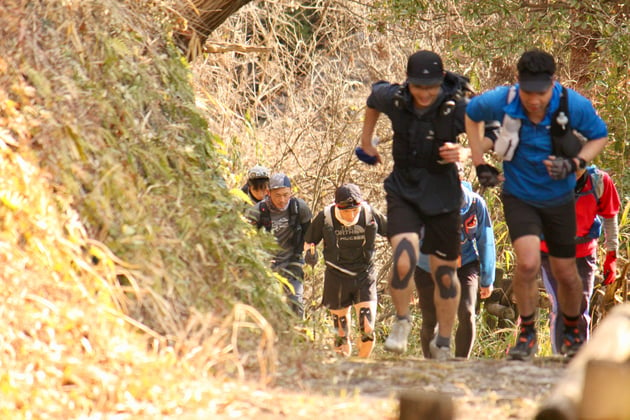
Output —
(508, 137)
(294, 222)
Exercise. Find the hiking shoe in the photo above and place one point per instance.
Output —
(397, 340)
(572, 340)
(439, 353)
(525, 347)
(343, 346)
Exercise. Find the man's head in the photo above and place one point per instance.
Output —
(258, 181)
(425, 73)
(280, 190)
(536, 70)
(348, 201)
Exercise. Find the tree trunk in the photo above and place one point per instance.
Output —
(201, 18)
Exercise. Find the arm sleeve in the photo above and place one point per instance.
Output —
(485, 244)
(609, 206)
(611, 233)
(381, 220)
(315, 230)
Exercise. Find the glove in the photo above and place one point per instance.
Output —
(610, 267)
(364, 157)
(311, 257)
(562, 167)
(487, 175)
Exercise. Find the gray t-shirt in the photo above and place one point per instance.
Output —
(281, 230)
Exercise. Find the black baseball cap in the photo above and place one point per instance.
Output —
(348, 196)
(534, 82)
(425, 68)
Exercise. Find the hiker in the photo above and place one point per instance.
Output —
(476, 273)
(348, 228)
(596, 205)
(427, 115)
(541, 154)
(288, 218)
(257, 186)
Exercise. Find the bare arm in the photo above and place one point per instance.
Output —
(369, 123)
(476, 140)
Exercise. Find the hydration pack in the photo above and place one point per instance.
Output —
(331, 250)
(566, 142)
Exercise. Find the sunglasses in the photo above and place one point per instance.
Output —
(347, 204)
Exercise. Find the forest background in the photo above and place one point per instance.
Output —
(131, 282)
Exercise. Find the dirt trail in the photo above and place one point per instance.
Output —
(369, 389)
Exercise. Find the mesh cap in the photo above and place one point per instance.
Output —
(348, 196)
(258, 172)
(279, 180)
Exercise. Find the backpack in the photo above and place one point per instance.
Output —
(294, 222)
(597, 190)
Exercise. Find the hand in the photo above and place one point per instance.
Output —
(560, 167)
(485, 292)
(487, 175)
(311, 257)
(610, 267)
(454, 152)
(366, 156)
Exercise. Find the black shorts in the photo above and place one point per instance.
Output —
(342, 290)
(441, 233)
(557, 224)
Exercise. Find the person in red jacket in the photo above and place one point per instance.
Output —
(596, 205)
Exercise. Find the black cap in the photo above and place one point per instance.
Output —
(424, 68)
(534, 82)
(348, 196)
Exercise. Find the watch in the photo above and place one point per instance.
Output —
(581, 163)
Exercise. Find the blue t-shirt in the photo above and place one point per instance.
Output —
(526, 176)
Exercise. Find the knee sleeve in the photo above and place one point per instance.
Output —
(400, 281)
(446, 281)
(365, 323)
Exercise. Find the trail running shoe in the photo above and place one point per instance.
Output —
(397, 340)
(525, 347)
(343, 346)
(439, 353)
(572, 340)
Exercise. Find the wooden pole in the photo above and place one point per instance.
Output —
(418, 405)
(610, 343)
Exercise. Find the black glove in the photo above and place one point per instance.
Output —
(487, 175)
(561, 167)
(311, 258)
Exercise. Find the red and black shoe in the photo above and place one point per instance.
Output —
(526, 345)
(572, 340)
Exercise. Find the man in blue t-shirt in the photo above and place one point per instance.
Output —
(540, 155)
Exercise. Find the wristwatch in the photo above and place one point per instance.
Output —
(581, 163)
